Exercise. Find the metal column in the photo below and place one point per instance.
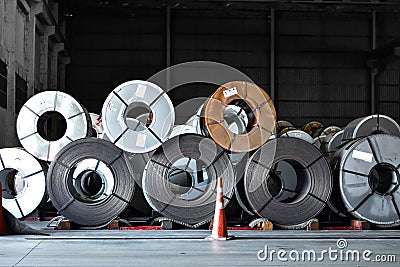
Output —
(168, 47)
(374, 70)
(272, 57)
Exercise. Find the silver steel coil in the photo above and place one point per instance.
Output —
(89, 182)
(97, 126)
(326, 130)
(332, 143)
(368, 125)
(369, 180)
(181, 177)
(23, 178)
(297, 134)
(288, 181)
(49, 121)
(148, 106)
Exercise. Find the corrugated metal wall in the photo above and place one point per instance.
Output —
(321, 70)
(109, 50)
(236, 40)
(388, 81)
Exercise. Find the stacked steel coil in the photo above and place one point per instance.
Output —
(133, 155)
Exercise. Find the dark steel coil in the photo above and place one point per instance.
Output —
(369, 125)
(89, 182)
(281, 125)
(181, 178)
(288, 181)
(368, 179)
(332, 143)
(312, 127)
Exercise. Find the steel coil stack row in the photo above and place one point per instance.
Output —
(93, 168)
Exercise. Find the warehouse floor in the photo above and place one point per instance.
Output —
(188, 247)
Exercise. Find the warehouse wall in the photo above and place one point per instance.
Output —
(107, 51)
(320, 73)
(388, 80)
(237, 39)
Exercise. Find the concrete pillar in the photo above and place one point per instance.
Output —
(30, 35)
(9, 44)
(64, 61)
(9, 26)
(44, 50)
(53, 79)
(2, 4)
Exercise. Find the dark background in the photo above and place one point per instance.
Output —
(321, 52)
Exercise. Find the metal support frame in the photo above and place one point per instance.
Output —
(374, 70)
(272, 57)
(168, 46)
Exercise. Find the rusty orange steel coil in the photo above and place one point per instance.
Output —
(260, 113)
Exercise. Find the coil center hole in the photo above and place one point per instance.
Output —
(51, 125)
(274, 184)
(383, 178)
(88, 186)
(181, 181)
(12, 182)
(238, 117)
(188, 178)
(138, 115)
(288, 181)
(91, 183)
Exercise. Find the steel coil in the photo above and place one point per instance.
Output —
(24, 180)
(369, 180)
(181, 178)
(240, 194)
(49, 121)
(297, 134)
(331, 143)
(312, 127)
(326, 130)
(137, 162)
(89, 182)
(97, 126)
(369, 125)
(260, 113)
(235, 120)
(320, 135)
(282, 125)
(148, 106)
(288, 181)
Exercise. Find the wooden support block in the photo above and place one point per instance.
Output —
(267, 226)
(114, 225)
(64, 225)
(361, 225)
(167, 225)
(314, 225)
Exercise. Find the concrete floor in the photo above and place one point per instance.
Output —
(188, 247)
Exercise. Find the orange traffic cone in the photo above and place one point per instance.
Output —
(219, 230)
(3, 225)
